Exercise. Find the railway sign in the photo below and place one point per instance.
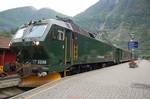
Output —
(133, 44)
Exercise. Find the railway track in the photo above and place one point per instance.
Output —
(11, 91)
(9, 81)
(8, 86)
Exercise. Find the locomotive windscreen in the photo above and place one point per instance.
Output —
(20, 33)
(30, 31)
(37, 31)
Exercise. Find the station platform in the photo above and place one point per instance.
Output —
(116, 82)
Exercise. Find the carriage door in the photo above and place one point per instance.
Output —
(118, 55)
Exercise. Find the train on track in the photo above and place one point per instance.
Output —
(51, 48)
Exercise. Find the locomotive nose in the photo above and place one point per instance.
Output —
(34, 80)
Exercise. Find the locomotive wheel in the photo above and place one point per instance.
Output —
(35, 81)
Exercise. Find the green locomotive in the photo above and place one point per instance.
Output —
(59, 45)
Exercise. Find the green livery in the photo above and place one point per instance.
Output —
(58, 44)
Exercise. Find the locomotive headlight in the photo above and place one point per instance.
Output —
(37, 43)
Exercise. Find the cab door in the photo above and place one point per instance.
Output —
(70, 50)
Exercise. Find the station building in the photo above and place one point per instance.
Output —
(7, 56)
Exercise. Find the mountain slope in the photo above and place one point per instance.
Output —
(46, 14)
(94, 17)
(119, 18)
(13, 18)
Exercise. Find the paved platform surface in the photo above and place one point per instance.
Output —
(117, 82)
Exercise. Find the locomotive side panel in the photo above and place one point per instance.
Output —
(93, 51)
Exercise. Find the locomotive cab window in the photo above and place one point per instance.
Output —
(37, 30)
(20, 33)
(61, 35)
(57, 33)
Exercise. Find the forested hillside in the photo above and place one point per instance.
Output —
(119, 18)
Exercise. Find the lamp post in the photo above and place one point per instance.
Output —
(132, 39)
(132, 44)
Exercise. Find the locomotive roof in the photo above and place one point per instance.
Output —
(70, 25)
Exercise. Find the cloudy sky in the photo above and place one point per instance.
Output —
(67, 7)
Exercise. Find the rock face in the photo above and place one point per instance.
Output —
(119, 18)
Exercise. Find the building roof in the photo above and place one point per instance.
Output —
(4, 42)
